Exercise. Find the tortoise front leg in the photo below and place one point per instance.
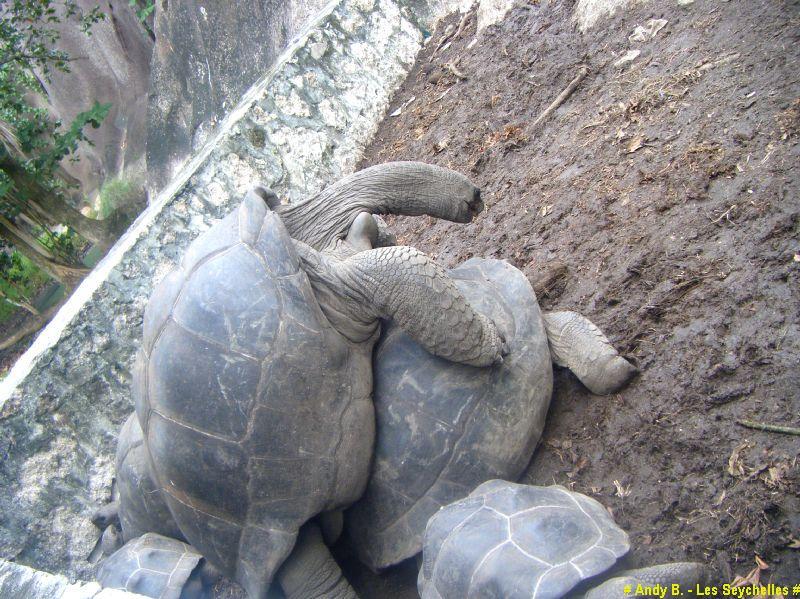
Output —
(576, 343)
(405, 285)
(409, 188)
(687, 575)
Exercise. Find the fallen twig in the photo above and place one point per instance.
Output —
(448, 37)
(463, 23)
(562, 96)
(772, 428)
(726, 215)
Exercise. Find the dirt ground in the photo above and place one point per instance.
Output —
(661, 201)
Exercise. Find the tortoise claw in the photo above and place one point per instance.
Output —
(476, 205)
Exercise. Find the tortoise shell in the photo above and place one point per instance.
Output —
(150, 565)
(256, 412)
(511, 541)
(444, 428)
(142, 508)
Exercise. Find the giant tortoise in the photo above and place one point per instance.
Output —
(445, 428)
(253, 384)
(510, 541)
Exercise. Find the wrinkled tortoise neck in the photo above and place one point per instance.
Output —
(409, 188)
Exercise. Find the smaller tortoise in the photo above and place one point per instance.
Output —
(513, 541)
(159, 567)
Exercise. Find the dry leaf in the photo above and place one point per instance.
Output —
(648, 32)
(753, 577)
(635, 144)
(735, 463)
(775, 475)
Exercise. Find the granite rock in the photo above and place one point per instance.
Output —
(206, 55)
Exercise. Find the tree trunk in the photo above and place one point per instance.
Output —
(20, 304)
(48, 206)
(70, 276)
(29, 328)
(55, 210)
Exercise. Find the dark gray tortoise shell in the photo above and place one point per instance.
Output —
(513, 541)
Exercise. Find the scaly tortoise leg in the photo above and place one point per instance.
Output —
(310, 572)
(403, 284)
(579, 345)
(687, 575)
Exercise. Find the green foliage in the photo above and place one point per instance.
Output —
(20, 280)
(143, 9)
(27, 35)
(34, 142)
(116, 194)
(65, 244)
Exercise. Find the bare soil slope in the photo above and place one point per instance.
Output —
(661, 200)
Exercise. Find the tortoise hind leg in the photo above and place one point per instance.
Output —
(579, 345)
(310, 572)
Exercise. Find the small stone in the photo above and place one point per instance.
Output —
(629, 56)
(318, 50)
(743, 132)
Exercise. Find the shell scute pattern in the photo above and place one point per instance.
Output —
(279, 257)
(551, 540)
(150, 565)
(222, 235)
(214, 532)
(247, 441)
(234, 312)
(141, 506)
(449, 519)
(444, 428)
(516, 574)
(185, 368)
(188, 457)
(158, 309)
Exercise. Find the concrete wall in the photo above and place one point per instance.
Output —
(21, 582)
